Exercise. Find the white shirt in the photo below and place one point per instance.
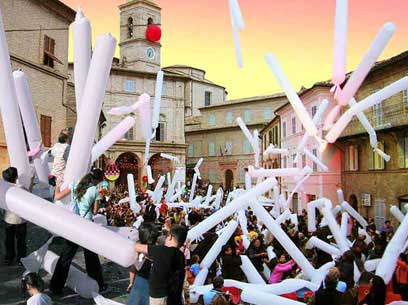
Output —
(58, 166)
(39, 299)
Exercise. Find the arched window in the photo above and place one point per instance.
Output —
(150, 21)
(130, 27)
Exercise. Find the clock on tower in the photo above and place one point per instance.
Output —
(140, 33)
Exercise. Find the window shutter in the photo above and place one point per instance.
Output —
(52, 46)
(162, 132)
(370, 157)
(355, 149)
(401, 152)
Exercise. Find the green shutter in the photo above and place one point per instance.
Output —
(401, 152)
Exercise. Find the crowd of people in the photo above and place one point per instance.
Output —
(168, 264)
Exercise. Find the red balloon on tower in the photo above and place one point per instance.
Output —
(153, 33)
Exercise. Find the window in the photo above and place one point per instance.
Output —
(403, 152)
(129, 135)
(160, 130)
(228, 148)
(379, 212)
(405, 97)
(211, 120)
(191, 150)
(352, 158)
(207, 98)
(314, 152)
(270, 133)
(49, 52)
(129, 85)
(285, 161)
(275, 140)
(247, 147)
(229, 118)
(242, 175)
(293, 125)
(211, 149)
(303, 160)
(268, 114)
(377, 114)
(211, 175)
(375, 161)
(130, 28)
(293, 160)
(45, 126)
(314, 110)
(247, 116)
(283, 129)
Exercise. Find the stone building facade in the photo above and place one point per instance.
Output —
(215, 136)
(369, 183)
(320, 184)
(37, 38)
(134, 73)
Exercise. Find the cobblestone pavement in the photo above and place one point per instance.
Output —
(115, 276)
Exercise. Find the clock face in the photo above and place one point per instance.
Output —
(150, 53)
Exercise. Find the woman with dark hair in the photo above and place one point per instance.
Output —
(231, 263)
(377, 293)
(257, 254)
(139, 273)
(85, 196)
(33, 285)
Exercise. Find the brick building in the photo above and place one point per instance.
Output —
(37, 38)
(369, 183)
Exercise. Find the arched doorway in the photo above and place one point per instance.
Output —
(128, 163)
(229, 180)
(160, 166)
(353, 201)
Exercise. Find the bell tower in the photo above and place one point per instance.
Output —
(140, 33)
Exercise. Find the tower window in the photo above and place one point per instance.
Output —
(150, 21)
(130, 27)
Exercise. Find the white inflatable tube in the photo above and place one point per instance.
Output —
(82, 54)
(218, 198)
(290, 92)
(288, 286)
(114, 135)
(296, 188)
(316, 160)
(157, 100)
(201, 277)
(344, 223)
(256, 148)
(193, 186)
(340, 196)
(248, 181)
(366, 124)
(243, 222)
(353, 213)
(283, 217)
(236, 14)
(135, 207)
(387, 265)
(278, 172)
(283, 239)
(12, 125)
(250, 271)
(30, 122)
(73, 228)
(77, 280)
(170, 157)
(334, 227)
(237, 204)
(311, 214)
(215, 250)
(320, 244)
(365, 104)
(336, 210)
(316, 120)
(396, 212)
(371, 264)
(271, 253)
(156, 197)
(208, 196)
(246, 132)
(271, 150)
(150, 178)
(145, 116)
(340, 42)
(362, 70)
(257, 297)
(197, 166)
(91, 105)
(235, 24)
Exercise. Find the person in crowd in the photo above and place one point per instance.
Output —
(377, 293)
(33, 286)
(85, 196)
(283, 265)
(140, 272)
(257, 254)
(149, 214)
(195, 265)
(328, 293)
(231, 263)
(401, 277)
(386, 227)
(168, 268)
(57, 151)
(16, 227)
(216, 295)
(346, 268)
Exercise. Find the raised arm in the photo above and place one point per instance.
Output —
(61, 194)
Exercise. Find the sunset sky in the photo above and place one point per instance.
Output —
(299, 32)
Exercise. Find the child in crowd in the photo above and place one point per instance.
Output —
(33, 285)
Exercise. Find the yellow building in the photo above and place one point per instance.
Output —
(37, 37)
